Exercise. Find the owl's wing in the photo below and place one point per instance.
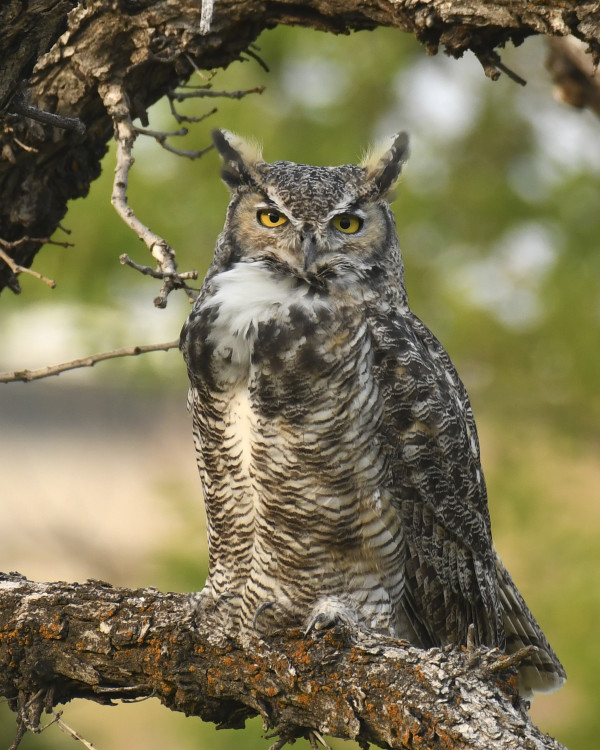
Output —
(436, 481)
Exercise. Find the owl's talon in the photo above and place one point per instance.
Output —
(259, 610)
(321, 621)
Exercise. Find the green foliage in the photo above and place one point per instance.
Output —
(498, 219)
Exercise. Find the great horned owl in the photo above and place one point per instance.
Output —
(336, 444)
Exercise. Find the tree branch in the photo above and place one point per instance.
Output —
(160, 44)
(26, 376)
(117, 104)
(17, 269)
(61, 641)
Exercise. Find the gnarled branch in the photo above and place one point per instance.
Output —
(61, 641)
(159, 45)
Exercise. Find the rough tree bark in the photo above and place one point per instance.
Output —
(148, 47)
(62, 641)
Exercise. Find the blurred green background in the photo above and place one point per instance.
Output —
(498, 214)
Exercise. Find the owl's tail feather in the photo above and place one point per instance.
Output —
(542, 671)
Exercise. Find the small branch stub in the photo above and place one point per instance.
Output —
(19, 106)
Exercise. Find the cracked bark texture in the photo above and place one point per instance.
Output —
(150, 46)
(61, 641)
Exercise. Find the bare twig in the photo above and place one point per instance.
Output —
(25, 376)
(206, 76)
(69, 730)
(203, 91)
(161, 137)
(17, 269)
(319, 738)
(207, 93)
(42, 240)
(123, 690)
(187, 118)
(20, 107)
(512, 660)
(258, 59)
(148, 271)
(117, 105)
(492, 66)
(25, 147)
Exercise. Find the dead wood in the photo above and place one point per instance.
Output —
(60, 641)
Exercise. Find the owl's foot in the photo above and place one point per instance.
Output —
(330, 612)
(201, 602)
(206, 605)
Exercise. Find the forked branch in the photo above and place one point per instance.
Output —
(17, 269)
(117, 105)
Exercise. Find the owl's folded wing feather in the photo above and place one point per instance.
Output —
(436, 480)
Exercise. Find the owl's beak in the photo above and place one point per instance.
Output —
(309, 249)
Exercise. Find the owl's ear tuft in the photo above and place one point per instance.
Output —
(239, 158)
(384, 164)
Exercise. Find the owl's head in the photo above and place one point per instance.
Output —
(325, 225)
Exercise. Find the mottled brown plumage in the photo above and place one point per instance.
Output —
(335, 441)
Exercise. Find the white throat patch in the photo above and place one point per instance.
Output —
(247, 293)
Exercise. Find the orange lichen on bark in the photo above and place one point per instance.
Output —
(300, 654)
(303, 700)
(15, 635)
(51, 631)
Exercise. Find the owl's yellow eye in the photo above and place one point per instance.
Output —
(270, 218)
(347, 223)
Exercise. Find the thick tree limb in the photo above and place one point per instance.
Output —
(149, 47)
(61, 641)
